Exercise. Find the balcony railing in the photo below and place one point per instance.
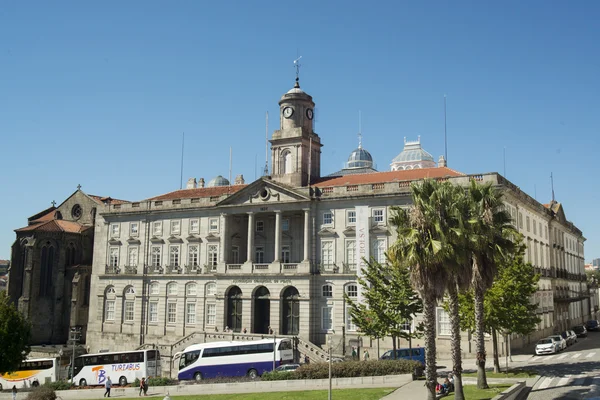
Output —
(112, 270)
(233, 267)
(289, 267)
(174, 269)
(156, 270)
(131, 269)
(193, 269)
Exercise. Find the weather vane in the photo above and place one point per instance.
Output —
(297, 66)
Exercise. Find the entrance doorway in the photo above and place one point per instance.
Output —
(262, 310)
(234, 309)
(291, 311)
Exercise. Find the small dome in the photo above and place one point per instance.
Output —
(218, 181)
(360, 158)
(295, 90)
(413, 152)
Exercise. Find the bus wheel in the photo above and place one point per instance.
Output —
(83, 382)
(1, 387)
(35, 384)
(198, 376)
(252, 374)
(122, 381)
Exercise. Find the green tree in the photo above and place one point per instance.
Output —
(15, 332)
(389, 301)
(491, 238)
(420, 247)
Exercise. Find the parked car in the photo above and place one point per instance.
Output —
(573, 335)
(592, 325)
(580, 331)
(546, 346)
(570, 339)
(561, 342)
(418, 354)
(287, 367)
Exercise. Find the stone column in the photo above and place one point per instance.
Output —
(306, 233)
(224, 242)
(277, 236)
(250, 253)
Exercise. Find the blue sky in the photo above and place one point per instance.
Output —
(99, 93)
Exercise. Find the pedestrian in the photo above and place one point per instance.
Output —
(354, 353)
(306, 360)
(14, 392)
(245, 330)
(142, 384)
(107, 385)
(366, 355)
(146, 387)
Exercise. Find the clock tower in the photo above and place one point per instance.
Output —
(295, 148)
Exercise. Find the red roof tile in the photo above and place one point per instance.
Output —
(389, 176)
(56, 225)
(47, 217)
(43, 214)
(103, 199)
(199, 192)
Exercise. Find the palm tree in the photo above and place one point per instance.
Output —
(491, 238)
(420, 246)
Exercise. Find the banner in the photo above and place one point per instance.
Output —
(362, 243)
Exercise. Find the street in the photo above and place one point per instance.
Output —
(571, 374)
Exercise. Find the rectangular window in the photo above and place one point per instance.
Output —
(157, 228)
(110, 310)
(327, 291)
(132, 257)
(190, 313)
(407, 326)
(134, 229)
(528, 223)
(153, 311)
(193, 255)
(114, 257)
(213, 255)
(194, 225)
(327, 218)
(129, 311)
(156, 255)
(351, 253)
(260, 226)
(171, 313)
(285, 225)
(535, 252)
(211, 314)
(443, 323)
(378, 216)
(259, 254)
(327, 252)
(175, 227)
(350, 325)
(174, 256)
(114, 230)
(534, 228)
(351, 217)
(285, 254)
(327, 318)
(213, 224)
(379, 250)
(235, 254)
(520, 221)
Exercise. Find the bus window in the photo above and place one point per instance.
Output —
(285, 345)
(152, 355)
(188, 358)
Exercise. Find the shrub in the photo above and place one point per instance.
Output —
(351, 369)
(160, 381)
(278, 376)
(59, 385)
(42, 393)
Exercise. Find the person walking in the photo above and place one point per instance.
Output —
(146, 386)
(366, 355)
(14, 392)
(142, 384)
(107, 385)
(354, 353)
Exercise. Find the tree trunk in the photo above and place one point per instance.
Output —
(495, 343)
(480, 339)
(394, 347)
(455, 344)
(429, 337)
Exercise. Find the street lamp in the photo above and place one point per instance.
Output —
(329, 349)
(74, 336)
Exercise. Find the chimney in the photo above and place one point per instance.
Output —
(191, 183)
(239, 180)
(442, 162)
(201, 182)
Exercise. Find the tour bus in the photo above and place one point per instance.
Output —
(228, 359)
(31, 373)
(122, 367)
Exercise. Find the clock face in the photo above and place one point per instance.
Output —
(288, 111)
(309, 113)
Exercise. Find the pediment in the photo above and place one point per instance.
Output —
(175, 239)
(379, 230)
(155, 240)
(264, 191)
(114, 242)
(193, 239)
(211, 237)
(132, 240)
(327, 232)
(350, 231)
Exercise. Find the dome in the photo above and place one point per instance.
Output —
(360, 158)
(413, 152)
(218, 181)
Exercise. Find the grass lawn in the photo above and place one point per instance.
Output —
(346, 394)
(513, 373)
(472, 393)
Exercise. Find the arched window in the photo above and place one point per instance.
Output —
(172, 289)
(352, 292)
(70, 255)
(46, 266)
(291, 311)
(109, 303)
(211, 289)
(128, 304)
(86, 290)
(327, 290)
(286, 162)
(234, 309)
(154, 288)
(191, 289)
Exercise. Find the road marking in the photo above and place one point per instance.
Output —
(546, 383)
(590, 355)
(564, 380)
(576, 355)
(561, 357)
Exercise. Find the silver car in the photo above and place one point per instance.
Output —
(562, 343)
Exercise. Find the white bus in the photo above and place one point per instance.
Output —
(31, 373)
(227, 359)
(122, 367)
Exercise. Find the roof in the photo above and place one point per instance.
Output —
(352, 171)
(43, 215)
(103, 199)
(199, 192)
(389, 176)
(4, 262)
(56, 225)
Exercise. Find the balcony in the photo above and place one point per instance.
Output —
(193, 269)
(112, 270)
(173, 269)
(131, 269)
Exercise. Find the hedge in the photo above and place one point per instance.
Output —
(278, 376)
(59, 385)
(42, 393)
